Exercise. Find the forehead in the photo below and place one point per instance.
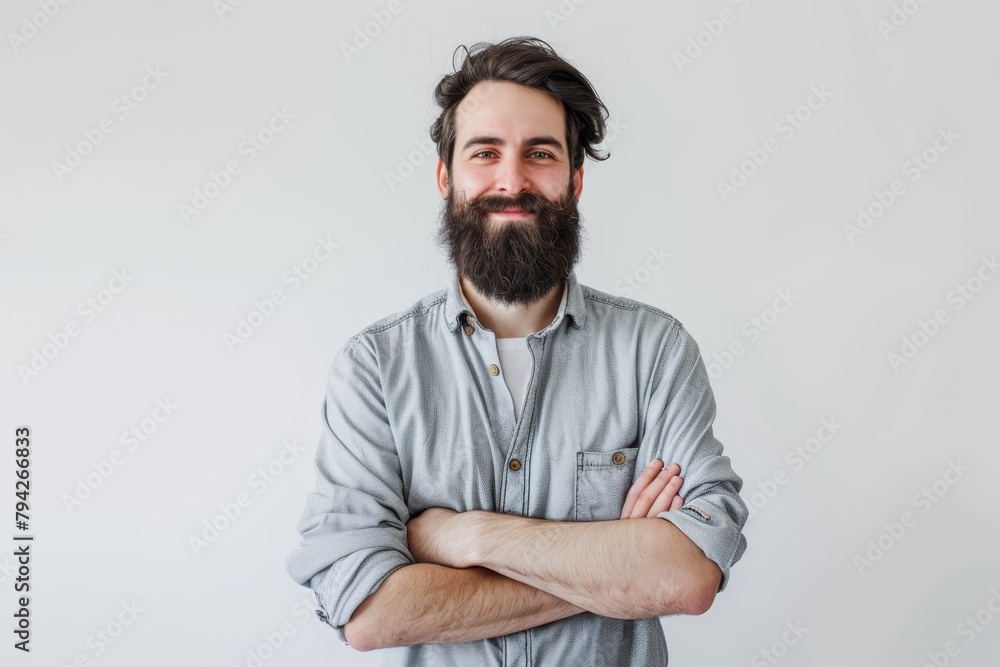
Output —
(508, 109)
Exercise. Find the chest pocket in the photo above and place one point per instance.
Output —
(602, 482)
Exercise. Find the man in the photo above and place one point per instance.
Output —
(479, 499)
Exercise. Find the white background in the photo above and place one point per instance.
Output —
(681, 129)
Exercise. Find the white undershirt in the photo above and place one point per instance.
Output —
(515, 360)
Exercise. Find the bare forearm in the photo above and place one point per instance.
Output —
(630, 569)
(426, 603)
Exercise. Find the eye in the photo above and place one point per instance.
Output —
(543, 154)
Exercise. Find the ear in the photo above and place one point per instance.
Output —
(578, 182)
(441, 176)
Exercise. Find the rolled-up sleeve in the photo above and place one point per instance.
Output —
(679, 419)
(354, 524)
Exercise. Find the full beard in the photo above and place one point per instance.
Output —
(513, 261)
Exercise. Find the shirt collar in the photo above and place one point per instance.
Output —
(456, 307)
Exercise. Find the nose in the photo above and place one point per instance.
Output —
(511, 176)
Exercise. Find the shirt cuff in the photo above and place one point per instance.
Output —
(350, 581)
(715, 533)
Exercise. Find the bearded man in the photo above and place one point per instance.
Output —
(491, 487)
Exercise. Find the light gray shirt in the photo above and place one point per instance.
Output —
(417, 415)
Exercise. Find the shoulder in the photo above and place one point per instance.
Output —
(422, 313)
(651, 332)
(624, 311)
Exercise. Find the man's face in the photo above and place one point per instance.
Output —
(511, 153)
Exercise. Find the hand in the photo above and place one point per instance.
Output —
(655, 491)
(442, 536)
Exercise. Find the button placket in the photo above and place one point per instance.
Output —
(515, 487)
(501, 405)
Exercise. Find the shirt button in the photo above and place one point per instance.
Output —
(494, 371)
(618, 458)
(515, 464)
(469, 329)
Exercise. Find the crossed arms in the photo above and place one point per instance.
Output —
(482, 574)
(384, 578)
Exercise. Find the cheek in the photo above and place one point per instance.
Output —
(472, 184)
(556, 189)
(553, 182)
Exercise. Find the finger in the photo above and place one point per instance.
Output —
(666, 497)
(665, 501)
(645, 492)
(645, 478)
(677, 503)
(649, 495)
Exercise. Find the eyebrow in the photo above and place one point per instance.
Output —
(542, 140)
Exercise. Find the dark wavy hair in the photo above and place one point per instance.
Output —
(530, 62)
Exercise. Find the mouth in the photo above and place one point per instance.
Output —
(513, 213)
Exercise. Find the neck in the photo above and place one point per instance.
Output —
(507, 321)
